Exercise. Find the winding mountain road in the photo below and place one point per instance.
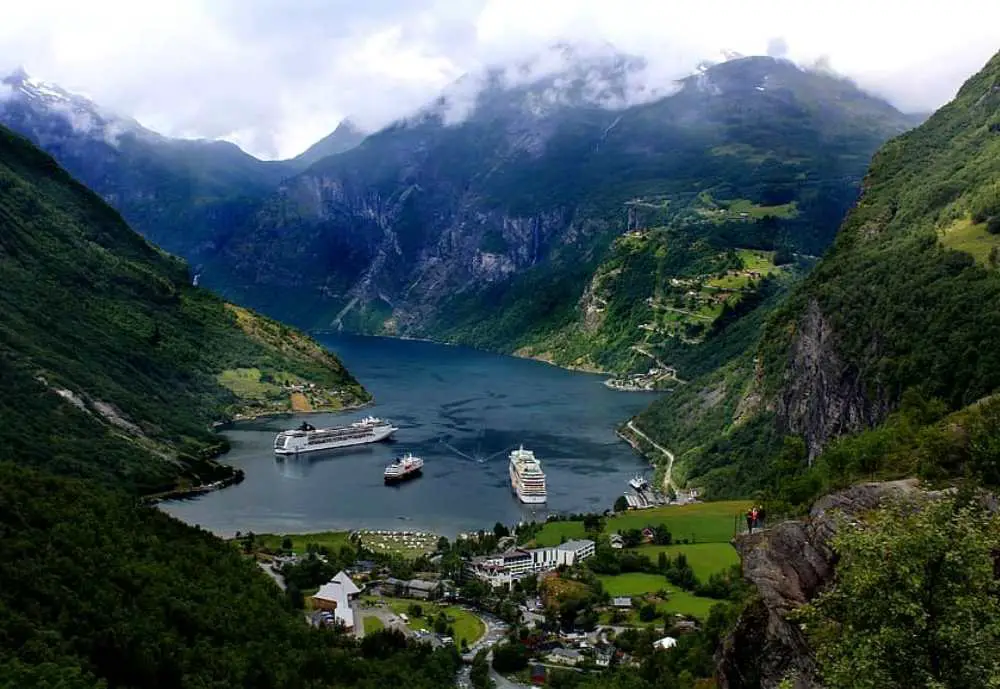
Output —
(670, 455)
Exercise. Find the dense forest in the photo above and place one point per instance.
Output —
(98, 590)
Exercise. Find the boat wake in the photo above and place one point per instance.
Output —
(478, 457)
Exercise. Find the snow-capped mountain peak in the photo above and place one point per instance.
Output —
(42, 106)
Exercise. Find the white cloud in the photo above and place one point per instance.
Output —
(276, 76)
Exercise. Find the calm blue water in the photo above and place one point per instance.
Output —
(462, 411)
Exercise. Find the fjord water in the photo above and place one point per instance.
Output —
(462, 411)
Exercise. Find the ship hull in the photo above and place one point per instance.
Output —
(404, 477)
(378, 436)
(532, 499)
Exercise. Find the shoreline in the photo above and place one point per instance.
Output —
(288, 412)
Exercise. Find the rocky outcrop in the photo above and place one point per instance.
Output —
(788, 565)
(824, 396)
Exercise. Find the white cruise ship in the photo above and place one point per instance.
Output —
(306, 438)
(403, 468)
(527, 479)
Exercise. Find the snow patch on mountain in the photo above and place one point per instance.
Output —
(83, 115)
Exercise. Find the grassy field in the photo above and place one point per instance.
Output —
(753, 259)
(467, 625)
(785, 210)
(373, 624)
(704, 558)
(638, 583)
(705, 522)
(246, 383)
(962, 235)
(300, 402)
(553, 532)
(333, 540)
(684, 603)
(730, 281)
(633, 583)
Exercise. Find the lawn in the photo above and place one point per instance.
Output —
(638, 583)
(705, 558)
(373, 624)
(633, 583)
(703, 522)
(962, 235)
(467, 625)
(553, 532)
(333, 540)
(686, 603)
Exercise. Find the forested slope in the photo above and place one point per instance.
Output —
(106, 345)
(899, 315)
(110, 372)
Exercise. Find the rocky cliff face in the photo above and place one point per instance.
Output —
(789, 564)
(824, 396)
(487, 228)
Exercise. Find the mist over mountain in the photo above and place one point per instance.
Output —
(449, 223)
(345, 137)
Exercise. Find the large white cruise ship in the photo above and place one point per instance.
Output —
(306, 438)
(526, 477)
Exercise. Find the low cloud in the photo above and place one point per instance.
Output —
(777, 47)
(274, 76)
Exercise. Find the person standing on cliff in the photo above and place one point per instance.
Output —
(750, 521)
(753, 515)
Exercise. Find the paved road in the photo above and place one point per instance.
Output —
(278, 579)
(670, 455)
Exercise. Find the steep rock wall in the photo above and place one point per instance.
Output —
(788, 565)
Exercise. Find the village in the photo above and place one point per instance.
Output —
(577, 593)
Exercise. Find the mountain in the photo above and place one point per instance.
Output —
(857, 370)
(113, 365)
(345, 137)
(485, 217)
(183, 195)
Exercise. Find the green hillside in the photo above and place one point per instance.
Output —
(111, 359)
(899, 315)
(112, 367)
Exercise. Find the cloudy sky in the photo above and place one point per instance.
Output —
(276, 75)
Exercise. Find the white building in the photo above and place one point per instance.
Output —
(665, 643)
(336, 596)
(516, 563)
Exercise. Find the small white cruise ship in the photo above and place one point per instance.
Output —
(527, 479)
(403, 468)
(307, 438)
(639, 482)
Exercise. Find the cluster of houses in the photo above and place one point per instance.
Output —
(507, 567)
